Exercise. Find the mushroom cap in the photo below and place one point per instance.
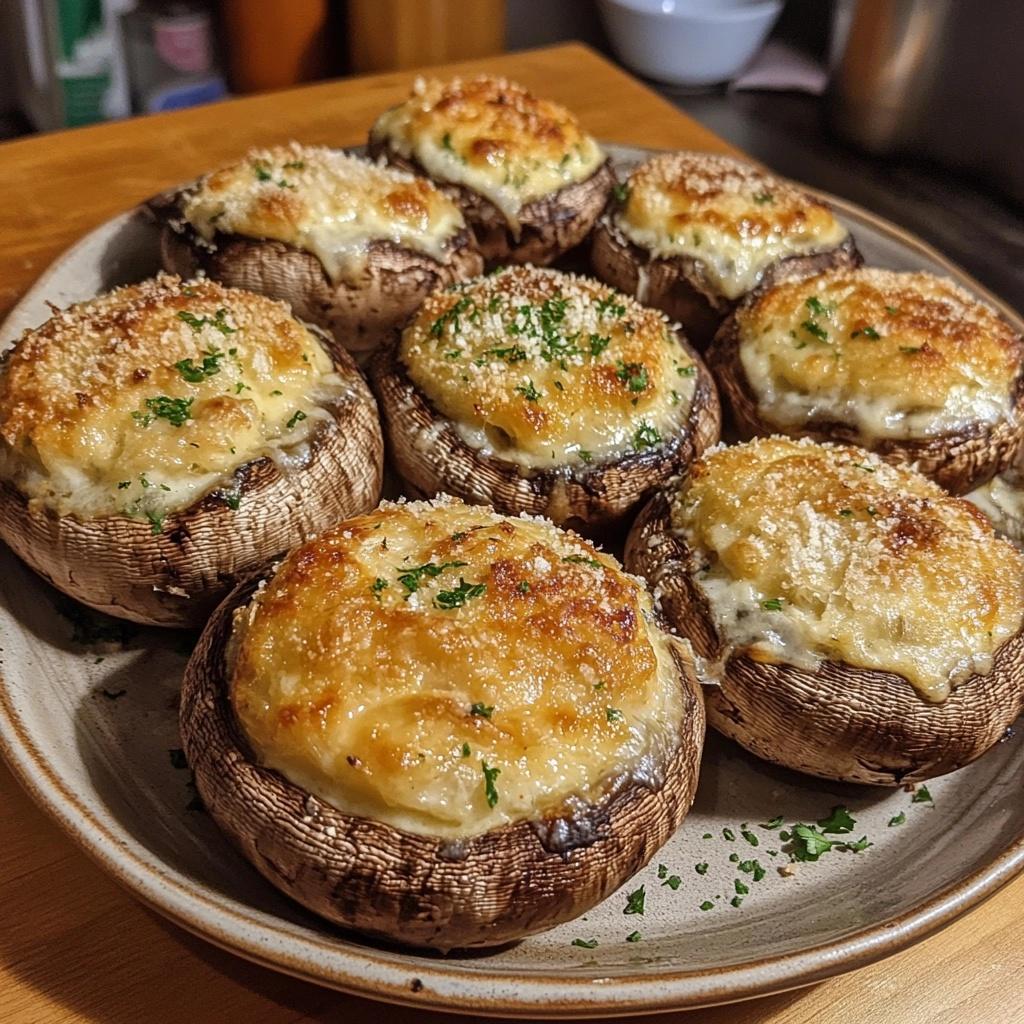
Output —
(959, 460)
(431, 426)
(415, 888)
(840, 721)
(174, 573)
(546, 229)
(679, 285)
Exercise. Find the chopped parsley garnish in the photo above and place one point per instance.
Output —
(662, 871)
(857, 847)
(736, 901)
(633, 937)
(296, 417)
(860, 465)
(610, 305)
(815, 329)
(892, 310)
(809, 843)
(819, 308)
(449, 599)
(217, 321)
(156, 522)
(763, 197)
(727, 833)
(750, 837)
(635, 902)
(175, 410)
(741, 887)
(209, 366)
(452, 354)
(586, 456)
(702, 868)
(524, 587)
(379, 584)
(465, 750)
(262, 174)
(707, 905)
(868, 332)
(122, 484)
(295, 165)
(490, 790)
(585, 943)
(451, 316)
(582, 560)
(838, 822)
(772, 823)
(673, 882)
(846, 512)
(772, 604)
(511, 354)
(411, 578)
(632, 374)
(687, 371)
(646, 437)
(613, 714)
(899, 819)
(446, 142)
(481, 710)
(598, 344)
(922, 796)
(621, 191)
(528, 391)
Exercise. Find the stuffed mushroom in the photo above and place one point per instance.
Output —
(353, 246)
(529, 180)
(443, 727)
(538, 391)
(692, 233)
(163, 439)
(864, 625)
(907, 364)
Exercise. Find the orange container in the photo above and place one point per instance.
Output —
(272, 44)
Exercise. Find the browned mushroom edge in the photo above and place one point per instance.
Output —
(431, 456)
(176, 577)
(840, 722)
(679, 286)
(416, 890)
(360, 315)
(548, 227)
(958, 461)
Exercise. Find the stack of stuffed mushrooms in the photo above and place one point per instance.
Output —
(453, 721)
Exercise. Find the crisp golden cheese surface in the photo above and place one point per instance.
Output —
(446, 670)
(895, 355)
(809, 552)
(545, 368)
(733, 217)
(328, 203)
(491, 136)
(141, 401)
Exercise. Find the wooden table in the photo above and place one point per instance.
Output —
(73, 946)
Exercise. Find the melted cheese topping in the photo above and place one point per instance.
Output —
(141, 401)
(491, 136)
(446, 670)
(809, 552)
(733, 217)
(893, 354)
(326, 202)
(544, 368)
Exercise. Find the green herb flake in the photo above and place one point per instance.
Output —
(741, 887)
(379, 584)
(524, 587)
(846, 512)
(892, 310)
(481, 710)
(750, 837)
(585, 943)
(528, 391)
(585, 456)
(297, 417)
(621, 192)
(673, 882)
(633, 937)
(809, 844)
(662, 871)
(763, 197)
(646, 437)
(706, 905)
(193, 373)
(772, 604)
(412, 578)
(860, 465)
(734, 858)
(838, 821)
(634, 375)
(736, 901)
(687, 371)
(815, 329)
(262, 174)
(598, 343)
(635, 902)
(922, 796)
(727, 833)
(910, 350)
(613, 714)
(490, 789)
(819, 308)
(899, 819)
(449, 599)
(446, 142)
(701, 868)
(867, 332)
(177, 411)
(857, 847)
(465, 750)
(772, 823)
(156, 522)
(582, 560)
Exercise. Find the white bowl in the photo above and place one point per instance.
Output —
(688, 42)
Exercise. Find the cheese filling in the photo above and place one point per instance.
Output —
(895, 355)
(810, 552)
(141, 401)
(545, 369)
(1002, 500)
(491, 136)
(448, 671)
(734, 218)
(327, 203)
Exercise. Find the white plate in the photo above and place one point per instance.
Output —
(101, 768)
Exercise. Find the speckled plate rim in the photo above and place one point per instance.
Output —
(441, 984)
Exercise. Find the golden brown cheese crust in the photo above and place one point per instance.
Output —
(896, 355)
(140, 401)
(732, 216)
(808, 552)
(326, 202)
(492, 136)
(546, 368)
(447, 670)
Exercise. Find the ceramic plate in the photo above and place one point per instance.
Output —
(88, 721)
